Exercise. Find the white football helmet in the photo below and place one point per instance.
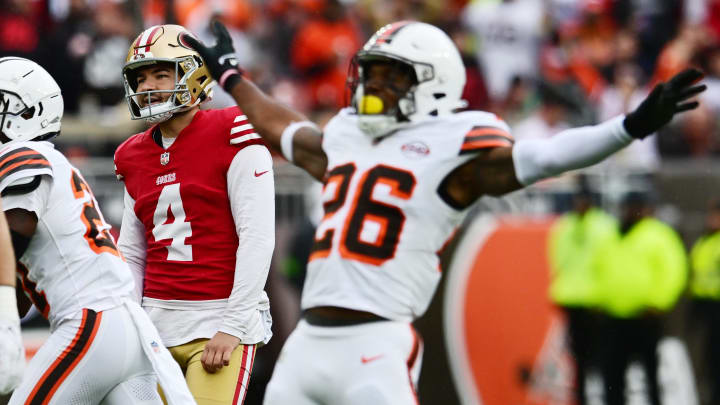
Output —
(31, 105)
(193, 82)
(438, 68)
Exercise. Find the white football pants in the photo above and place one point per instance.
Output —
(94, 360)
(372, 363)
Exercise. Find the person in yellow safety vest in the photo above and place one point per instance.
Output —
(574, 240)
(644, 274)
(705, 291)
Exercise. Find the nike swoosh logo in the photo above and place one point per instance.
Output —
(261, 173)
(366, 360)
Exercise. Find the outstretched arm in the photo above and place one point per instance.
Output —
(300, 143)
(505, 169)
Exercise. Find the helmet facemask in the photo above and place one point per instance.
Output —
(437, 67)
(180, 97)
(382, 92)
(20, 122)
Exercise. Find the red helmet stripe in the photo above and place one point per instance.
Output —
(389, 32)
(150, 38)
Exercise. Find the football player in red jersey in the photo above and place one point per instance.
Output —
(401, 167)
(198, 227)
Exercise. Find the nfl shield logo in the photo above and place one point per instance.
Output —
(165, 158)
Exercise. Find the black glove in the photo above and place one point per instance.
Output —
(666, 100)
(220, 59)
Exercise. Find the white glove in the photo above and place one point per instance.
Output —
(12, 355)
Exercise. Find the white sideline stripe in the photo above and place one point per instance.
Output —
(240, 118)
(240, 128)
(241, 139)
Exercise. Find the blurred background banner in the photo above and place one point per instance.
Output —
(505, 340)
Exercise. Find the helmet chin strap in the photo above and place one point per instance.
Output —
(158, 118)
(377, 126)
(372, 121)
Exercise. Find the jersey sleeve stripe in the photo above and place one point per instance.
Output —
(16, 153)
(243, 134)
(240, 118)
(473, 139)
(481, 131)
(483, 144)
(24, 165)
(241, 139)
(21, 157)
(240, 128)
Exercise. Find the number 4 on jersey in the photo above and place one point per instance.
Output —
(176, 230)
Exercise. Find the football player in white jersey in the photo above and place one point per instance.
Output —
(401, 168)
(103, 349)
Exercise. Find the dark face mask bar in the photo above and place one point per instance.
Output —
(5, 101)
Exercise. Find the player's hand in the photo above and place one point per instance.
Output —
(217, 351)
(12, 355)
(220, 59)
(666, 100)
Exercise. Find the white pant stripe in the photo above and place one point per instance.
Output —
(244, 378)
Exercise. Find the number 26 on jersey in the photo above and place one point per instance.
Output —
(371, 229)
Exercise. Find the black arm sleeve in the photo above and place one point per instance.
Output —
(22, 188)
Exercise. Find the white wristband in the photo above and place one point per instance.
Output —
(286, 139)
(8, 303)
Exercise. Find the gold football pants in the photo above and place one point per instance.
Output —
(226, 386)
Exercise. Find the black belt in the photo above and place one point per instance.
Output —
(320, 320)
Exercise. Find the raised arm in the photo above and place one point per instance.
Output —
(504, 169)
(283, 128)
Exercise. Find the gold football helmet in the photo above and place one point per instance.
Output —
(193, 82)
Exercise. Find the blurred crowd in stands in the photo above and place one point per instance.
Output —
(542, 65)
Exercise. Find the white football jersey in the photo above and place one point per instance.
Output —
(376, 248)
(72, 261)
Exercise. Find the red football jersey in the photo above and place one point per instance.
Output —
(181, 198)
